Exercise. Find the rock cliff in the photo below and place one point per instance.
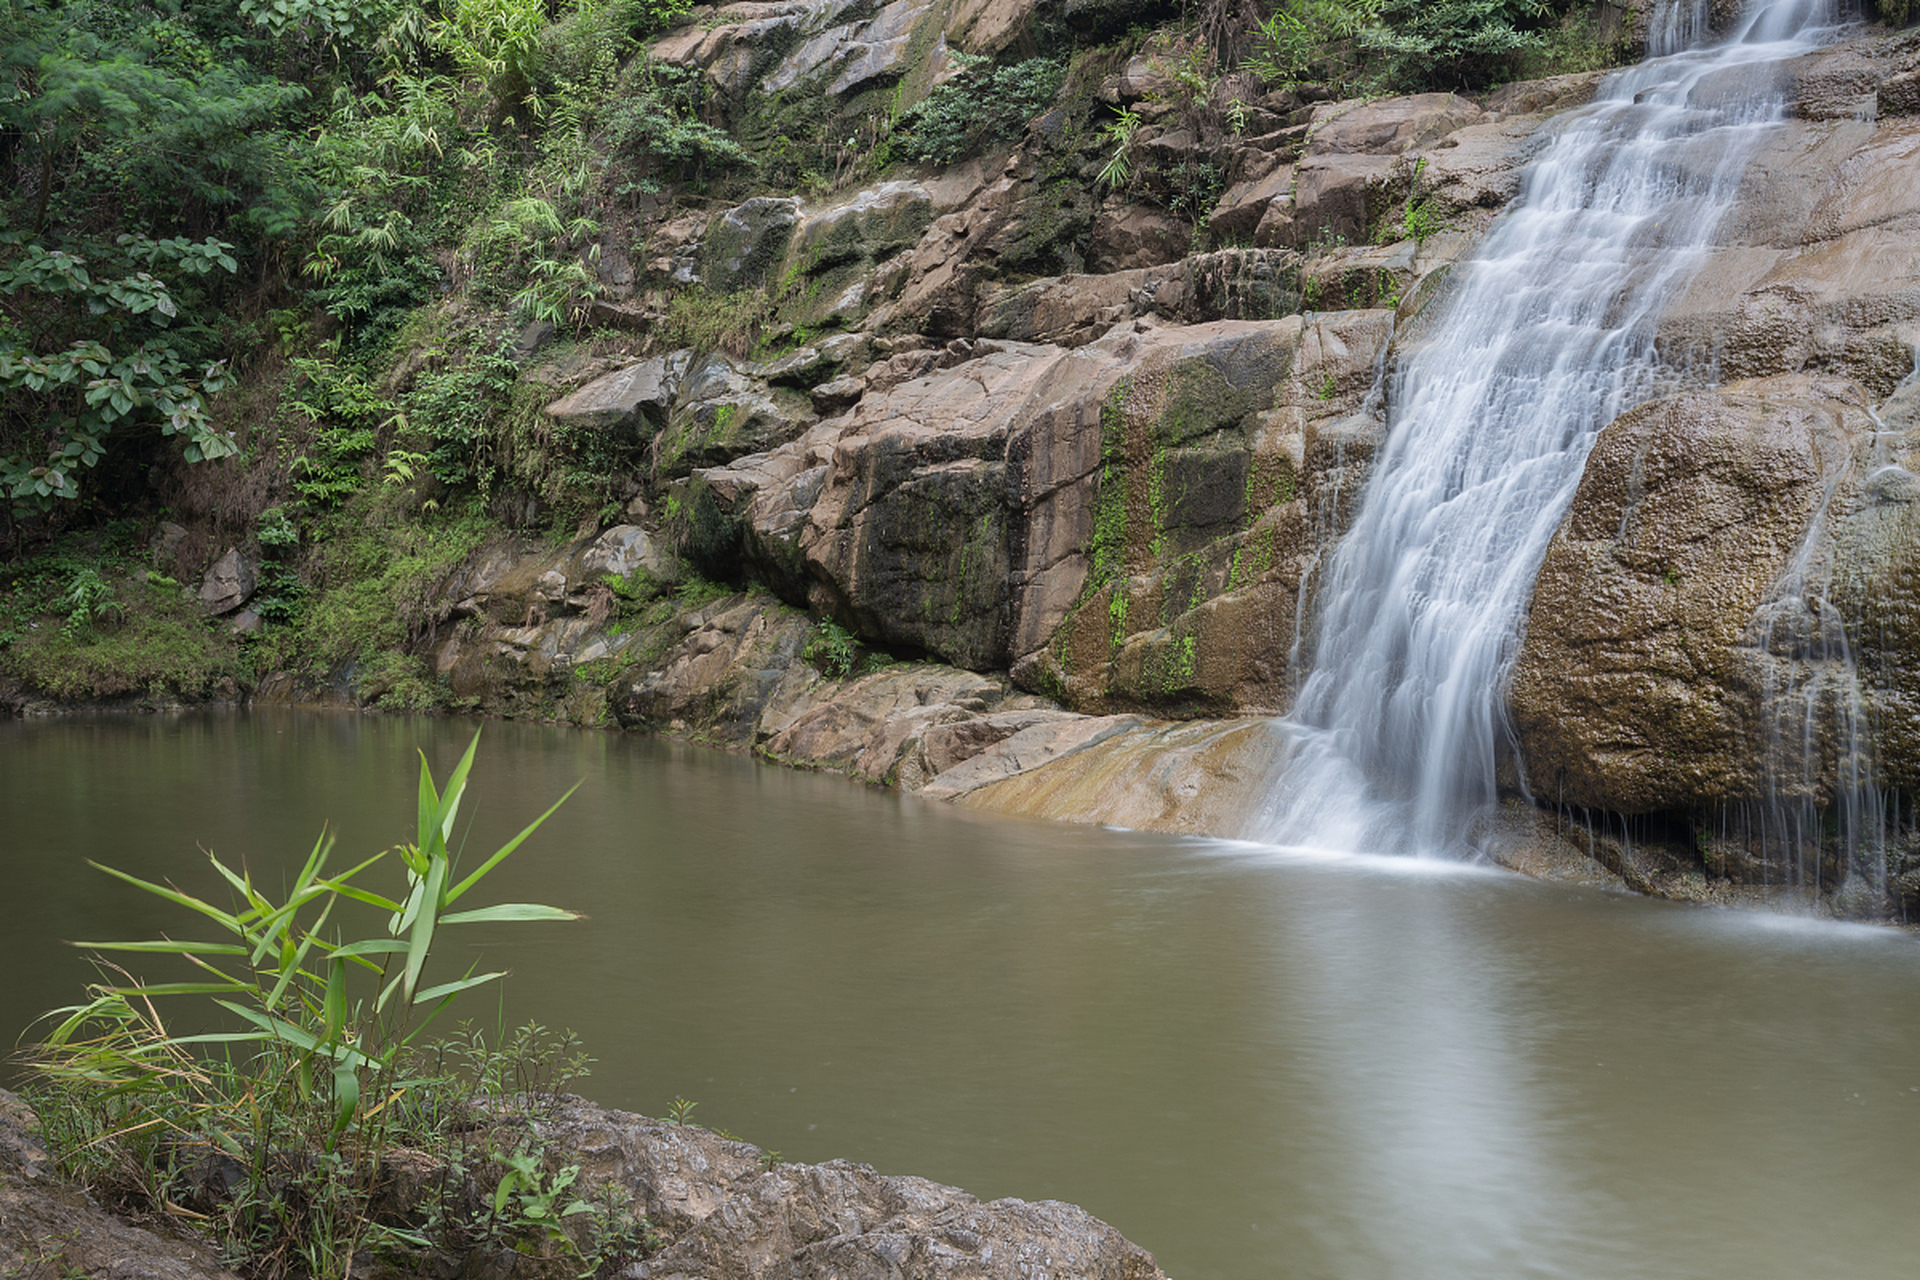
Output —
(1021, 461)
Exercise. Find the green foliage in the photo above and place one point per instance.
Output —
(706, 321)
(655, 125)
(152, 114)
(370, 599)
(496, 46)
(695, 592)
(832, 648)
(1452, 42)
(87, 601)
(1119, 134)
(119, 368)
(531, 1200)
(979, 105)
(298, 1108)
(80, 624)
(1411, 45)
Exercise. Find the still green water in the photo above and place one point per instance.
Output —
(1252, 1064)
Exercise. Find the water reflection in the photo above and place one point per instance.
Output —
(1256, 1062)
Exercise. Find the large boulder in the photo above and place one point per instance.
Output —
(826, 276)
(745, 245)
(1354, 169)
(1125, 524)
(629, 405)
(724, 411)
(1639, 685)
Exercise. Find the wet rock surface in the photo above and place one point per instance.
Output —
(1633, 692)
(1019, 427)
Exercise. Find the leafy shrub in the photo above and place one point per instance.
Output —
(1406, 45)
(656, 125)
(280, 1132)
(832, 648)
(979, 105)
(120, 366)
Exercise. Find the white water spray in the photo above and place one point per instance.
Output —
(1546, 335)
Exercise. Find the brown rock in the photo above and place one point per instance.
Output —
(1126, 237)
(1635, 690)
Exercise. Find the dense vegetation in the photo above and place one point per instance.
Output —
(264, 265)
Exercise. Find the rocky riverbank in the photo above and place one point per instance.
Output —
(711, 1207)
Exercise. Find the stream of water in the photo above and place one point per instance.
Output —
(1255, 1064)
(1546, 334)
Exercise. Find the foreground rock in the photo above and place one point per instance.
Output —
(49, 1229)
(732, 1214)
(725, 1210)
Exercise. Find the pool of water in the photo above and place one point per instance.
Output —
(1255, 1064)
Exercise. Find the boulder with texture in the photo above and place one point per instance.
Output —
(228, 584)
(630, 404)
(1638, 686)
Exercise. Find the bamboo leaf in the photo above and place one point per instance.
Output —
(180, 988)
(336, 1004)
(420, 938)
(168, 946)
(206, 909)
(501, 853)
(372, 947)
(346, 1096)
(458, 985)
(278, 1028)
(510, 911)
(456, 787)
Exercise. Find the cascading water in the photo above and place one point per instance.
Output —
(1822, 820)
(1815, 751)
(1547, 334)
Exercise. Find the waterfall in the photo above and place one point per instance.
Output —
(1546, 334)
(1815, 750)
